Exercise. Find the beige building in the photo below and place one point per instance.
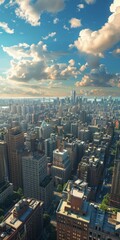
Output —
(61, 167)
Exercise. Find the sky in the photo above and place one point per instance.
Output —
(49, 47)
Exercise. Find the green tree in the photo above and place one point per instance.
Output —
(20, 192)
(59, 188)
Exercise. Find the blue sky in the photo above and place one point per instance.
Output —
(50, 47)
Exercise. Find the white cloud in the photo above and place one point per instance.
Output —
(90, 1)
(83, 67)
(96, 42)
(75, 22)
(56, 20)
(99, 77)
(72, 62)
(66, 28)
(117, 51)
(23, 50)
(80, 6)
(50, 35)
(33, 62)
(31, 12)
(5, 27)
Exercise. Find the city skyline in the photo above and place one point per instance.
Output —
(48, 48)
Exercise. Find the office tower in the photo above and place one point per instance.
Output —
(73, 97)
(84, 134)
(115, 189)
(15, 142)
(90, 170)
(34, 169)
(74, 129)
(3, 162)
(61, 167)
(71, 147)
(24, 221)
(50, 145)
(36, 183)
(45, 130)
(46, 191)
(6, 188)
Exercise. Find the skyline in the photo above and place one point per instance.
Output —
(59, 45)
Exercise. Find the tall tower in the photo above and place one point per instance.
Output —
(73, 97)
(115, 189)
(3, 162)
(15, 141)
(34, 169)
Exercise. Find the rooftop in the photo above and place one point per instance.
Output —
(12, 223)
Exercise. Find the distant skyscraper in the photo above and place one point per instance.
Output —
(115, 189)
(73, 97)
(15, 141)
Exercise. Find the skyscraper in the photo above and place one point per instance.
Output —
(3, 162)
(15, 141)
(34, 168)
(73, 97)
(115, 189)
(61, 167)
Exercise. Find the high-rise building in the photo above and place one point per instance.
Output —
(34, 169)
(73, 97)
(50, 145)
(115, 189)
(15, 142)
(36, 183)
(3, 162)
(61, 167)
(24, 221)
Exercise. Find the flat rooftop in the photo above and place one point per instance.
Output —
(12, 223)
(62, 210)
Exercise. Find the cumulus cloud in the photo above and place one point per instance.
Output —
(56, 20)
(72, 62)
(117, 52)
(99, 77)
(96, 42)
(80, 6)
(50, 35)
(31, 11)
(33, 62)
(5, 27)
(83, 67)
(75, 22)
